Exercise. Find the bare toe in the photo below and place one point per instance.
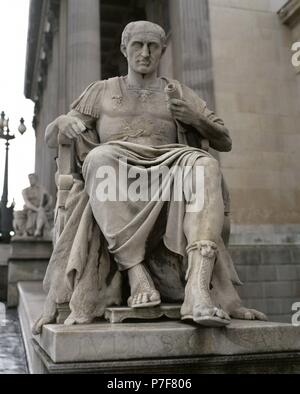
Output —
(209, 311)
(155, 296)
(135, 300)
(143, 292)
(145, 298)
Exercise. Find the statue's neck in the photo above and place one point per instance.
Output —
(142, 81)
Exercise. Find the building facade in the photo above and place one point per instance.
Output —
(236, 54)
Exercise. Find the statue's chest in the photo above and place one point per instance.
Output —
(140, 116)
(135, 102)
(33, 194)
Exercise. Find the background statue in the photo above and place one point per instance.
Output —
(168, 252)
(36, 217)
(19, 223)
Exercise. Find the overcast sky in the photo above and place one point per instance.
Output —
(13, 37)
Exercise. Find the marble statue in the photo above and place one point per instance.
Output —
(35, 219)
(165, 251)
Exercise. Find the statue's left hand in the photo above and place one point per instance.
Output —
(182, 111)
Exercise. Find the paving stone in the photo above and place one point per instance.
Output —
(12, 353)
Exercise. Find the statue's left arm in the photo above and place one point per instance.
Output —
(193, 111)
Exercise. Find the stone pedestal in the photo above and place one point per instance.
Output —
(28, 262)
(5, 252)
(242, 347)
(121, 314)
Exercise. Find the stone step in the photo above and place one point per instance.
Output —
(31, 302)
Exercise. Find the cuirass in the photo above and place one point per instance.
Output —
(138, 116)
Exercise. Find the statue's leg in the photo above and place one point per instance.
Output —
(40, 223)
(202, 230)
(143, 292)
(30, 222)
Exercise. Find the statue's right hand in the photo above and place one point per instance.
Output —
(70, 126)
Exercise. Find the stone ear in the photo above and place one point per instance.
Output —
(123, 50)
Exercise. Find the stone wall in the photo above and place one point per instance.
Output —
(271, 277)
(257, 95)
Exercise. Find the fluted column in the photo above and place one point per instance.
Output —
(83, 45)
(192, 46)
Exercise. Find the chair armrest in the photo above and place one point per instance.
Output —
(65, 155)
(65, 178)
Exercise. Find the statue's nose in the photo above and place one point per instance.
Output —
(145, 51)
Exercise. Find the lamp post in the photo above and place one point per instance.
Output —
(6, 213)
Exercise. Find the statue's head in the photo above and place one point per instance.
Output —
(33, 179)
(143, 44)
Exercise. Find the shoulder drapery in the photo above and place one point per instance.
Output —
(89, 102)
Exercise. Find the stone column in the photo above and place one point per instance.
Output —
(63, 105)
(83, 45)
(192, 46)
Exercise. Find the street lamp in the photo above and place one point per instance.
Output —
(6, 213)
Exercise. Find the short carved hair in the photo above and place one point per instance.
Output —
(143, 26)
(33, 174)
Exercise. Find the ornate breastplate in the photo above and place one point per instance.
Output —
(139, 116)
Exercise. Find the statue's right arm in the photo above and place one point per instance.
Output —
(71, 125)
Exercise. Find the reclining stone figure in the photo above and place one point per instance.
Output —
(169, 251)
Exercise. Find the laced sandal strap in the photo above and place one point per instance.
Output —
(203, 247)
(207, 249)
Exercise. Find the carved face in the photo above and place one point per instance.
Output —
(143, 52)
